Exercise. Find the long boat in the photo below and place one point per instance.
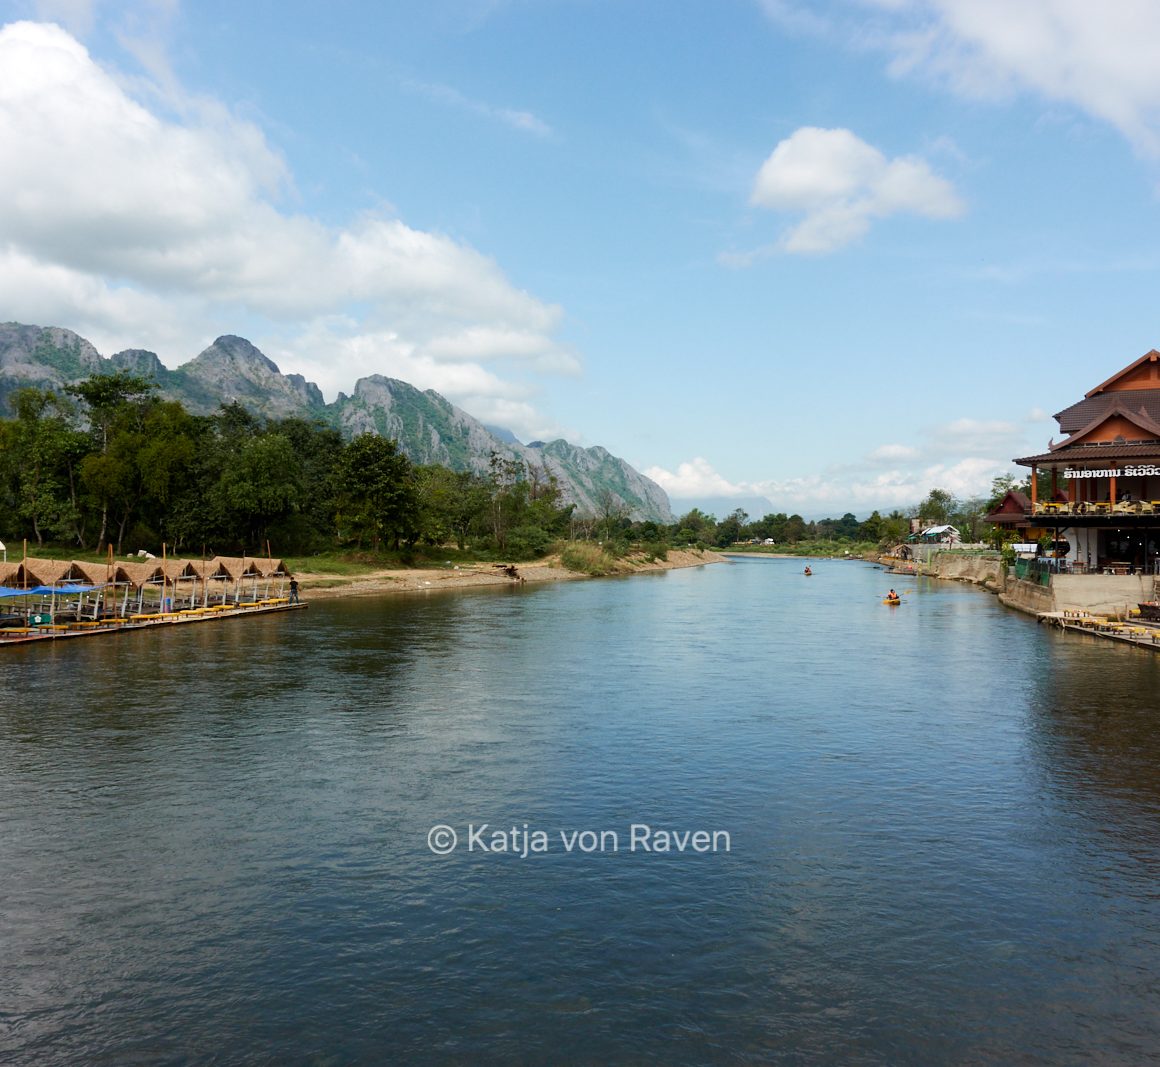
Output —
(1150, 609)
(48, 600)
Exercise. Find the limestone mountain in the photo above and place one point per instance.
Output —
(43, 357)
(433, 430)
(428, 427)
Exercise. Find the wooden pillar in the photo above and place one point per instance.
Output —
(1112, 488)
(1071, 494)
(1034, 486)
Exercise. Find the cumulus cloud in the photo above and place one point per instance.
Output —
(961, 456)
(866, 487)
(141, 230)
(841, 184)
(693, 479)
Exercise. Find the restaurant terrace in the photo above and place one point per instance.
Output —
(1102, 510)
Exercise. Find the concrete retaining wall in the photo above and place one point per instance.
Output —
(982, 570)
(1100, 594)
(1027, 596)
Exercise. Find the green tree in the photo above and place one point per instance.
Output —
(970, 518)
(112, 404)
(795, 529)
(695, 526)
(319, 449)
(871, 529)
(451, 504)
(260, 484)
(729, 528)
(938, 508)
(43, 447)
(377, 494)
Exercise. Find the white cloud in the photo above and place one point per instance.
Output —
(1099, 58)
(893, 453)
(862, 489)
(144, 231)
(693, 479)
(841, 184)
(962, 456)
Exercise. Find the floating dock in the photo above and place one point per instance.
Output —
(1132, 632)
(23, 635)
(53, 600)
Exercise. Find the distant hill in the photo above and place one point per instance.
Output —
(428, 427)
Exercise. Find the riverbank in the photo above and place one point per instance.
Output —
(1098, 605)
(467, 576)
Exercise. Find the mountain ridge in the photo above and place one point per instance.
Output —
(428, 427)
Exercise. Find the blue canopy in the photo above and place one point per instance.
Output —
(46, 590)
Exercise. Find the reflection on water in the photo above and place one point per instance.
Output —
(943, 823)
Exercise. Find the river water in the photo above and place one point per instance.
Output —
(925, 834)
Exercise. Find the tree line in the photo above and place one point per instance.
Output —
(107, 462)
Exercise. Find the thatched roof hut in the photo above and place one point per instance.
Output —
(43, 572)
(139, 574)
(89, 573)
(239, 566)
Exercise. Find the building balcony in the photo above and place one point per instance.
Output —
(1096, 509)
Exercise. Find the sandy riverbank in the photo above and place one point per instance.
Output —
(466, 576)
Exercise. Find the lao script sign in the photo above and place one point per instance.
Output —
(1143, 471)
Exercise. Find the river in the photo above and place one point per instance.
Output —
(920, 834)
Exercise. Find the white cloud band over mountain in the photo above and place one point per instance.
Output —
(143, 229)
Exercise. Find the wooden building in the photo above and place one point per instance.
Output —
(1103, 506)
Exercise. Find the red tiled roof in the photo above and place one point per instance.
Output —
(1100, 453)
(1014, 507)
(1091, 408)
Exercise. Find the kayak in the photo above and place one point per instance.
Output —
(892, 600)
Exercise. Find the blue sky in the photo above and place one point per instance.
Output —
(823, 256)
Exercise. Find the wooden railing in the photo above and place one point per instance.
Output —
(1053, 508)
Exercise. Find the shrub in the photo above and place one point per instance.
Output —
(528, 542)
(655, 550)
(587, 558)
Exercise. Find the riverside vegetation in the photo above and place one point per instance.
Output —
(107, 463)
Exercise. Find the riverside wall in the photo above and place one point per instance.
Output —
(984, 570)
(1098, 594)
